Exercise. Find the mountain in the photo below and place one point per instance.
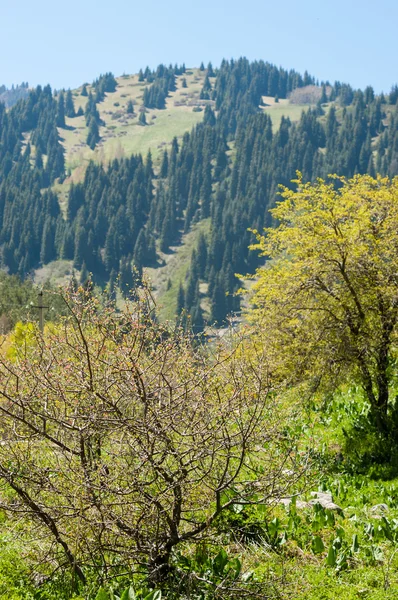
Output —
(168, 169)
(10, 96)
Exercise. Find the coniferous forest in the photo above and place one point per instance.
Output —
(227, 168)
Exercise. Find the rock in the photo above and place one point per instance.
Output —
(325, 499)
(379, 508)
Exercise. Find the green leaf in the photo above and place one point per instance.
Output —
(220, 561)
(317, 545)
(129, 594)
(235, 566)
(331, 557)
(355, 544)
(274, 526)
(154, 595)
(102, 595)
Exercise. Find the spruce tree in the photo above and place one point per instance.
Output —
(180, 300)
(60, 120)
(93, 135)
(164, 166)
(142, 118)
(69, 106)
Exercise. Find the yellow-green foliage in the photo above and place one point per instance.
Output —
(327, 298)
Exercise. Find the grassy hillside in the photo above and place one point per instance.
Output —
(172, 270)
(282, 108)
(121, 134)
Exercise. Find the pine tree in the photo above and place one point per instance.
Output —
(80, 247)
(180, 300)
(139, 255)
(84, 90)
(142, 118)
(47, 252)
(184, 83)
(164, 166)
(130, 107)
(126, 279)
(202, 256)
(324, 97)
(60, 120)
(93, 135)
(69, 106)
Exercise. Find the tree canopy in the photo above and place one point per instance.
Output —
(327, 299)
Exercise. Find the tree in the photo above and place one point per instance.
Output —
(60, 119)
(142, 118)
(93, 135)
(130, 107)
(126, 443)
(328, 298)
(69, 106)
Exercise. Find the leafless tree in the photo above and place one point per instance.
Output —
(121, 441)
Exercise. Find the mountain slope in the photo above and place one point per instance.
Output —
(221, 141)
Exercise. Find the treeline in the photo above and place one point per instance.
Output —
(10, 96)
(357, 138)
(104, 232)
(29, 213)
(117, 215)
(163, 82)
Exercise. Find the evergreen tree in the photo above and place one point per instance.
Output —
(61, 110)
(202, 256)
(47, 251)
(142, 118)
(93, 135)
(210, 71)
(130, 107)
(69, 106)
(84, 90)
(164, 166)
(180, 300)
(126, 279)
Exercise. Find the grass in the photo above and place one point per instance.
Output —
(174, 269)
(121, 134)
(283, 108)
(56, 273)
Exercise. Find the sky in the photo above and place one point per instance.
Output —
(71, 42)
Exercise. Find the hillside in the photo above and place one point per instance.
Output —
(121, 134)
(115, 176)
(137, 461)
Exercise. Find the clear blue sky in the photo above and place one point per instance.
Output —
(70, 42)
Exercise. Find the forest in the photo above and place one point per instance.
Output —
(201, 457)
